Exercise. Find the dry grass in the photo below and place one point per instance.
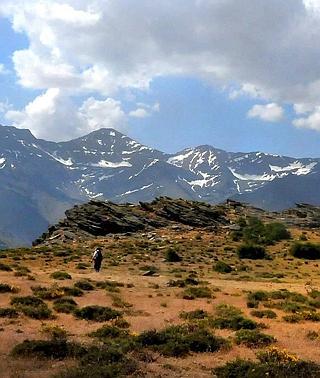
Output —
(142, 298)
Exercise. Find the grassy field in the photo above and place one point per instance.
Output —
(181, 319)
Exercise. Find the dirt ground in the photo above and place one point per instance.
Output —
(151, 303)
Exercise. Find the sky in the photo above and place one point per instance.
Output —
(238, 75)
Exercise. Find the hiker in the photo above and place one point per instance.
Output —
(97, 259)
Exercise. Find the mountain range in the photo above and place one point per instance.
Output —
(39, 179)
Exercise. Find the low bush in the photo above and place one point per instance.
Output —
(54, 332)
(60, 275)
(109, 332)
(48, 293)
(32, 306)
(72, 291)
(183, 283)
(5, 267)
(250, 251)
(176, 341)
(97, 313)
(194, 315)
(65, 304)
(222, 267)
(53, 349)
(309, 251)
(253, 338)
(269, 314)
(250, 369)
(172, 256)
(8, 312)
(5, 288)
(230, 317)
(197, 292)
(22, 271)
(84, 285)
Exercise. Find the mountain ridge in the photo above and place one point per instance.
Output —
(41, 179)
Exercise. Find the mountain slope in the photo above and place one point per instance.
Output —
(39, 180)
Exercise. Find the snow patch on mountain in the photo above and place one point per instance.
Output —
(110, 164)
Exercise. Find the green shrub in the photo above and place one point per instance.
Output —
(32, 306)
(250, 251)
(194, 315)
(72, 291)
(47, 293)
(250, 369)
(5, 267)
(60, 275)
(222, 267)
(54, 332)
(84, 285)
(178, 341)
(230, 317)
(65, 305)
(109, 332)
(197, 292)
(7, 312)
(309, 251)
(183, 283)
(172, 256)
(22, 271)
(255, 231)
(53, 349)
(5, 288)
(253, 338)
(97, 313)
(269, 314)
(276, 231)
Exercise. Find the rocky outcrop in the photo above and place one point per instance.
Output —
(99, 218)
(102, 218)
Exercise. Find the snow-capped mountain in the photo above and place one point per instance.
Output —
(39, 180)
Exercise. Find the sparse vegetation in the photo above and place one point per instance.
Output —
(251, 251)
(194, 292)
(60, 275)
(309, 251)
(97, 313)
(32, 306)
(222, 267)
(253, 338)
(177, 341)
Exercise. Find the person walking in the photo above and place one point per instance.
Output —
(97, 259)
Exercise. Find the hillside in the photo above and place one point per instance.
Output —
(40, 179)
(176, 296)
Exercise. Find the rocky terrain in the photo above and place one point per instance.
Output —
(101, 218)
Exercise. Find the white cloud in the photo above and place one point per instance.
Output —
(303, 108)
(266, 49)
(269, 112)
(139, 113)
(102, 113)
(54, 116)
(145, 110)
(3, 70)
(312, 121)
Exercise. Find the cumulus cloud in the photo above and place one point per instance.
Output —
(266, 49)
(106, 113)
(269, 112)
(312, 121)
(144, 110)
(54, 116)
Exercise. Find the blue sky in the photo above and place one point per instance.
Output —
(166, 86)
